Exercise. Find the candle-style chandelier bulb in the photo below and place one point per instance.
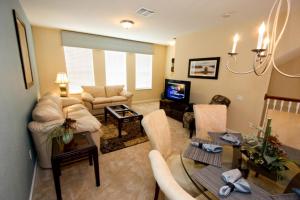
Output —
(266, 45)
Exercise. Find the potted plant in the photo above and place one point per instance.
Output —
(63, 132)
(267, 157)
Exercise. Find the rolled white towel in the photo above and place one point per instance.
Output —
(231, 138)
(231, 175)
(240, 185)
(208, 147)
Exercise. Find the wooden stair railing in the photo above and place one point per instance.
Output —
(282, 104)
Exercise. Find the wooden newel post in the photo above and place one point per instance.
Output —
(266, 136)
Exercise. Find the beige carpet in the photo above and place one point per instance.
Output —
(124, 174)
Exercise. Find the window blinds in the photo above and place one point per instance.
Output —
(115, 68)
(80, 70)
(143, 71)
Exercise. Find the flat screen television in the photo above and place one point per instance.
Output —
(176, 90)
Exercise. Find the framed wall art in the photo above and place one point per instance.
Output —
(23, 50)
(206, 68)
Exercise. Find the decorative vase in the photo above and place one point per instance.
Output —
(67, 136)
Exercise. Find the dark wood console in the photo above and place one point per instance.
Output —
(174, 109)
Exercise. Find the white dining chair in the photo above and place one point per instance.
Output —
(213, 118)
(164, 178)
(158, 131)
(209, 118)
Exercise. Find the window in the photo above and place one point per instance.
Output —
(143, 71)
(80, 69)
(115, 68)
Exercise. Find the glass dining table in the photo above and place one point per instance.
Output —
(231, 158)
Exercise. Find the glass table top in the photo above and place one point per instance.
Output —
(233, 158)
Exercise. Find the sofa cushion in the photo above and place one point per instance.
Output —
(118, 98)
(113, 90)
(95, 91)
(67, 110)
(101, 106)
(78, 114)
(101, 100)
(53, 97)
(46, 110)
(87, 123)
(69, 101)
(40, 132)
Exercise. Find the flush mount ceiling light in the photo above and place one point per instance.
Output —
(127, 24)
(172, 42)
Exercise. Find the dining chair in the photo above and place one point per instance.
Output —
(209, 118)
(164, 178)
(213, 118)
(158, 131)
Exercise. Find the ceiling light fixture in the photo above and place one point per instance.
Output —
(127, 24)
(269, 36)
(172, 42)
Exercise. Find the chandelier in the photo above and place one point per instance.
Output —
(269, 36)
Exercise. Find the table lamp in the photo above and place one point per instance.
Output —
(62, 80)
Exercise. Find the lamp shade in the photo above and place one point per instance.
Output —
(61, 78)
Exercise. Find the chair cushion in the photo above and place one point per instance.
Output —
(46, 110)
(117, 98)
(101, 100)
(113, 90)
(95, 91)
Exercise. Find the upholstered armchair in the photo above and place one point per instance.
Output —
(95, 98)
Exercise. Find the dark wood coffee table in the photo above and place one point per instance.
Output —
(123, 114)
(81, 147)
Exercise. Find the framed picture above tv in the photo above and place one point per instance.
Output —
(23, 50)
(206, 68)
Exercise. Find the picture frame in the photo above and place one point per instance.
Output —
(204, 68)
(172, 64)
(23, 50)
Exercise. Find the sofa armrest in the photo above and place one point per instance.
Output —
(87, 97)
(126, 94)
(69, 101)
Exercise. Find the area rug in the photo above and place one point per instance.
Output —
(131, 135)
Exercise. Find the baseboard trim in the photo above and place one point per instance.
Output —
(33, 180)
(145, 101)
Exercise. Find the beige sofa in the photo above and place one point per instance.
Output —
(95, 98)
(51, 111)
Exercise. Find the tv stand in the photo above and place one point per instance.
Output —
(174, 109)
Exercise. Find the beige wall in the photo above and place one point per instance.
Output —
(170, 55)
(246, 92)
(50, 60)
(49, 57)
(283, 86)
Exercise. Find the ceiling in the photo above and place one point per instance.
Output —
(171, 18)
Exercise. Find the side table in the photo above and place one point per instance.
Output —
(81, 147)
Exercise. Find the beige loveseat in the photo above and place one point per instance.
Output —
(95, 98)
(51, 111)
